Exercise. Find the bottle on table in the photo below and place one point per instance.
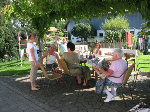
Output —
(93, 55)
(90, 56)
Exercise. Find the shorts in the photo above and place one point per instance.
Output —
(33, 72)
(49, 67)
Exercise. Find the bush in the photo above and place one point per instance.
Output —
(111, 35)
(8, 41)
(83, 31)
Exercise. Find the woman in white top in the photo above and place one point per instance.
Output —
(51, 64)
(33, 58)
(97, 50)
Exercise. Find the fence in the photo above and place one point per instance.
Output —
(91, 45)
(112, 45)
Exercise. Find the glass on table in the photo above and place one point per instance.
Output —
(90, 56)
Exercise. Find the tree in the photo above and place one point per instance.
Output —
(41, 13)
(8, 41)
(60, 24)
(83, 30)
(115, 29)
(8, 34)
(8, 38)
(145, 33)
(119, 22)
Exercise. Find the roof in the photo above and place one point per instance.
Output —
(52, 29)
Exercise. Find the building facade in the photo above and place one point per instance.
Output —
(135, 23)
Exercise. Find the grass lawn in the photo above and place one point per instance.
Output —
(14, 67)
(143, 59)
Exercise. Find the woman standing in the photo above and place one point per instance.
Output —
(97, 50)
(33, 58)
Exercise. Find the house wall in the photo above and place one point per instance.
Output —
(135, 20)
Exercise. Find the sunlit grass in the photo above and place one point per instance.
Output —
(14, 68)
(143, 59)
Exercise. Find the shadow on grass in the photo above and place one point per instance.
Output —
(13, 64)
(14, 72)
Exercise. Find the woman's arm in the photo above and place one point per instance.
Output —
(45, 54)
(33, 56)
(107, 73)
(56, 40)
(100, 52)
(79, 58)
(57, 57)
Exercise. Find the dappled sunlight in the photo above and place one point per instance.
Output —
(23, 79)
(70, 93)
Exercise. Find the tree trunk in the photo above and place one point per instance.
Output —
(40, 44)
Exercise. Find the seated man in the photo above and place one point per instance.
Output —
(117, 68)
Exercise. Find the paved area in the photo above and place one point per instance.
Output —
(16, 96)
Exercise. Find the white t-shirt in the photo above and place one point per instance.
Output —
(52, 59)
(29, 46)
(118, 66)
(97, 54)
(63, 47)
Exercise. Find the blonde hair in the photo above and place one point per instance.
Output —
(54, 46)
(32, 36)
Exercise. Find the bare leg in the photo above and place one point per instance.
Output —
(84, 84)
(79, 79)
(33, 86)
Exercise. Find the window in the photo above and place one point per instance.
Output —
(101, 35)
(132, 32)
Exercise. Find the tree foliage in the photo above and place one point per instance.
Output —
(145, 33)
(60, 24)
(8, 41)
(83, 30)
(119, 22)
(9, 34)
(115, 29)
(42, 12)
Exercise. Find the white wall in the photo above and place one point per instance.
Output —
(75, 39)
(135, 32)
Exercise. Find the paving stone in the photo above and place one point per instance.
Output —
(15, 91)
(91, 110)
